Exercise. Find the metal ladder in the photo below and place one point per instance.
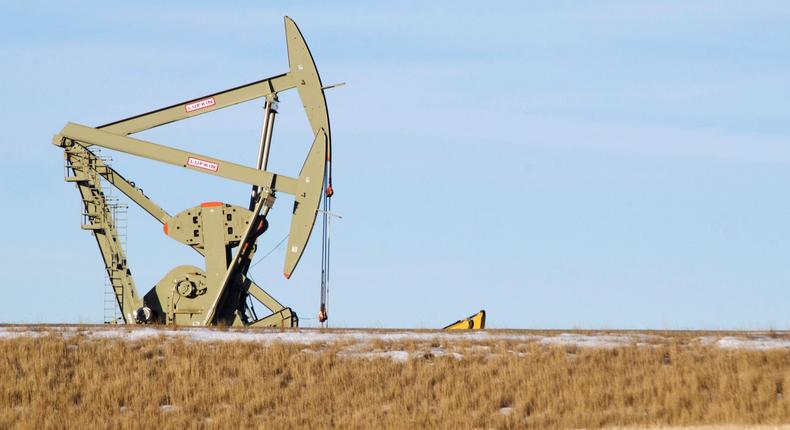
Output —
(120, 218)
(105, 217)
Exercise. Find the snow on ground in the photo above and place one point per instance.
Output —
(366, 344)
(398, 355)
(761, 343)
(602, 340)
(299, 336)
(312, 336)
(395, 355)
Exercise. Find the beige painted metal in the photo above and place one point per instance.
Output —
(85, 168)
(220, 100)
(308, 197)
(280, 319)
(123, 185)
(224, 278)
(192, 161)
(305, 77)
(307, 189)
(265, 298)
(187, 226)
(189, 295)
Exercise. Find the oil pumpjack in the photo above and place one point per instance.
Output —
(224, 234)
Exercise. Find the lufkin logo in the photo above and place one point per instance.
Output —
(200, 104)
(202, 164)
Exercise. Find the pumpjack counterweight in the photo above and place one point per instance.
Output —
(223, 233)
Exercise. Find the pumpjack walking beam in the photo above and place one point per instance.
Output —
(208, 298)
(303, 75)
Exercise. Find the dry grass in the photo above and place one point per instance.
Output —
(79, 382)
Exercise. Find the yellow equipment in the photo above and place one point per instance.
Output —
(474, 322)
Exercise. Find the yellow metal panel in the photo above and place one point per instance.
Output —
(474, 322)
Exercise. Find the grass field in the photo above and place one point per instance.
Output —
(96, 377)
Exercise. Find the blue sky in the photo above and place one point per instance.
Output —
(611, 164)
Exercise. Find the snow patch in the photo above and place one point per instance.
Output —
(397, 355)
(589, 341)
(758, 343)
(360, 341)
(439, 352)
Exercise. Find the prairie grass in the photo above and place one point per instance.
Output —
(55, 381)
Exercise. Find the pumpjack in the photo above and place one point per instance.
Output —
(224, 234)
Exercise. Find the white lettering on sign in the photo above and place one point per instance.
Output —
(202, 164)
(200, 104)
